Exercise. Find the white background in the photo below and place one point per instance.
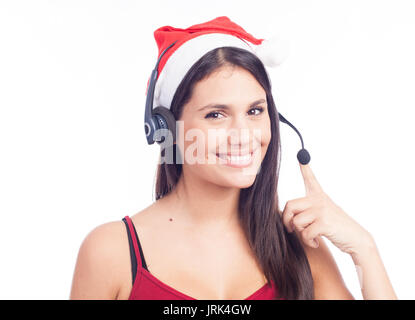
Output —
(73, 151)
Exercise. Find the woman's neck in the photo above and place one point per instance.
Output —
(200, 204)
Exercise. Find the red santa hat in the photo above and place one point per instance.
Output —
(195, 41)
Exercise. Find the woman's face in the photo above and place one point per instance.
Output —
(226, 116)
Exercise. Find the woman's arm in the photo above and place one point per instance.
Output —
(329, 284)
(96, 273)
(374, 281)
(328, 281)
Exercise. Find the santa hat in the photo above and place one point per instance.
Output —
(195, 41)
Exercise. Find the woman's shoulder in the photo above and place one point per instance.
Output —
(107, 237)
(102, 255)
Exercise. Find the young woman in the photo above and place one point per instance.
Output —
(215, 230)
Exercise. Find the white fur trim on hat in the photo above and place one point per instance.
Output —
(184, 57)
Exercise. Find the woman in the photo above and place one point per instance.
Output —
(215, 230)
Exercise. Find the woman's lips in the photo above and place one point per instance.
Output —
(236, 161)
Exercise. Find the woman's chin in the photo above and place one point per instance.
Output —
(236, 179)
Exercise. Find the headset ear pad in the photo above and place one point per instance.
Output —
(165, 120)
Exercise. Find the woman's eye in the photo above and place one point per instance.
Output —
(214, 114)
(210, 115)
(260, 109)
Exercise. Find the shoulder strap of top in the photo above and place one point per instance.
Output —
(136, 252)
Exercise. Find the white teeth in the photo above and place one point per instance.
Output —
(237, 159)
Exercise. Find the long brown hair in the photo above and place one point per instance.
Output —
(279, 253)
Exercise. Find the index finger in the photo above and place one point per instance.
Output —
(310, 181)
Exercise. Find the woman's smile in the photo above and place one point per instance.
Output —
(237, 161)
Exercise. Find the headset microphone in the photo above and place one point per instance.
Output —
(163, 118)
(303, 156)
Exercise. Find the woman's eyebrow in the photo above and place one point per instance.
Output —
(225, 107)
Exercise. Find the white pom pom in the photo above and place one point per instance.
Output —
(272, 51)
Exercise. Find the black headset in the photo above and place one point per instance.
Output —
(163, 118)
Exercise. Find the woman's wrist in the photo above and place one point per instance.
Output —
(365, 249)
(373, 278)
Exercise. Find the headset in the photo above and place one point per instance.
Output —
(162, 118)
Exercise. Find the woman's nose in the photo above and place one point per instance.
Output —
(239, 132)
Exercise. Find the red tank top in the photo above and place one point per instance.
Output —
(148, 287)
